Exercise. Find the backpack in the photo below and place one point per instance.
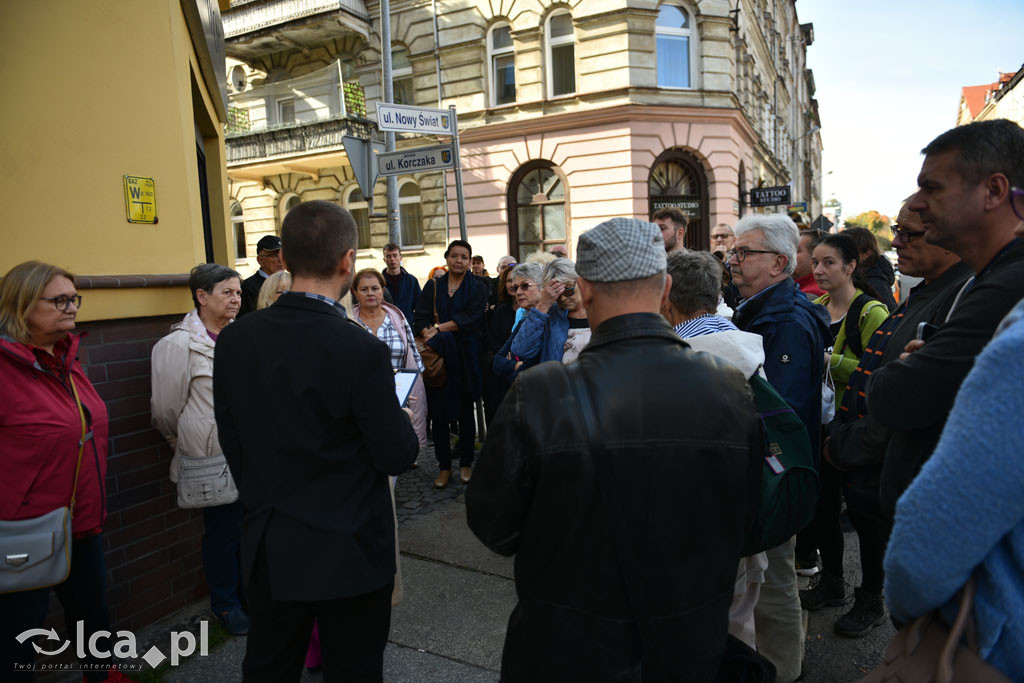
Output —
(789, 477)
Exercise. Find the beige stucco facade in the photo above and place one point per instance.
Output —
(746, 118)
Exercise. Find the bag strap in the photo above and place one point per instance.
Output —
(86, 435)
(619, 533)
(853, 315)
(434, 282)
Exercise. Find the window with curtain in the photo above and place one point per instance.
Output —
(238, 231)
(537, 209)
(410, 214)
(561, 55)
(503, 66)
(401, 76)
(357, 205)
(673, 42)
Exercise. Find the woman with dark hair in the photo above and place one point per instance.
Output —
(449, 314)
(53, 450)
(872, 267)
(834, 262)
(182, 408)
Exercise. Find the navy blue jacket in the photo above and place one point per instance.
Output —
(794, 333)
(406, 294)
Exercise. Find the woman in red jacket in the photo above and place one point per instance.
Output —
(40, 429)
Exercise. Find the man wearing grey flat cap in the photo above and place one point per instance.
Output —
(626, 511)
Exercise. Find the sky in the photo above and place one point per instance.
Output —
(888, 76)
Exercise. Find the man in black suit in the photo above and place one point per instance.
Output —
(309, 423)
(268, 255)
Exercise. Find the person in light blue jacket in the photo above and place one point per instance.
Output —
(545, 328)
(526, 287)
(964, 513)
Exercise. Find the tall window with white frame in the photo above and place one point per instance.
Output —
(674, 41)
(238, 229)
(561, 54)
(357, 205)
(401, 76)
(410, 213)
(503, 65)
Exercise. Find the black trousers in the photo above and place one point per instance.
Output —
(353, 633)
(825, 532)
(861, 490)
(442, 434)
(83, 597)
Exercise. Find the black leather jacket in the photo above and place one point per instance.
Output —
(684, 443)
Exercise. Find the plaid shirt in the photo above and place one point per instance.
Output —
(320, 297)
(393, 338)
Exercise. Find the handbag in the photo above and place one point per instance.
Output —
(205, 482)
(925, 651)
(434, 373)
(36, 553)
(740, 663)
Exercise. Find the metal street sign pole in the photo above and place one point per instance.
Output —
(458, 174)
(394, 230)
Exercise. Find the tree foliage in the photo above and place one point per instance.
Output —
(877, 223)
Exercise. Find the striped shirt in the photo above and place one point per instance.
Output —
(709, 323)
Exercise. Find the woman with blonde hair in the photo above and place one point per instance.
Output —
(53, 454)
(274, 286)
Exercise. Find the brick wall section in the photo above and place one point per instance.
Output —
(154, 563)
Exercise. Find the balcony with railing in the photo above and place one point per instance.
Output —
(256, 27)
(296, 116)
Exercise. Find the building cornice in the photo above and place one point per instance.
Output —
(575, 120)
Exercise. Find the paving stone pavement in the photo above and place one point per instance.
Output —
(415, 495)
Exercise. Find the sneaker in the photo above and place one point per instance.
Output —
(807, 566)
(868, 611)
(234, 621)
(826, 589)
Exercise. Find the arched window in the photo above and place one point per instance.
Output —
(401, 76)
(674, 42)
(357, 205)
(502, 58)
(410, 215)
(561, 54)
(288, 202)
(678, 180)
(238, 231)
(537, 209)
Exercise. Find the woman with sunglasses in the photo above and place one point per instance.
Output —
(48, 409)
(546, 328)
(526, 278)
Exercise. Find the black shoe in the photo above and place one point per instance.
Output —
(868, 611)
(234, 621)
(826, 589)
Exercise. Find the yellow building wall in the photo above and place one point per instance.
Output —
(95, 91)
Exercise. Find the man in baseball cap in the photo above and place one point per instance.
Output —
(268, 255)
(622, 483)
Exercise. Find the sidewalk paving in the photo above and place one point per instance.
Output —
(450, 626)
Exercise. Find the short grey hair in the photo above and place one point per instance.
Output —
(780, 234)
(205, 276)
(561, 269)
(696, 281)
(531, 271)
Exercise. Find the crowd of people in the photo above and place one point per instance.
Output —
(624, 456)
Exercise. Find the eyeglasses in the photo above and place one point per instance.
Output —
(1017, 195)
(720, 238)
(62, 302)
(525, 286)
(742, 254)
(569, 290)
(904, 234)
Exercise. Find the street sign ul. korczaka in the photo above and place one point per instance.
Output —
(405, 119)
(769, 196)
(411, 160)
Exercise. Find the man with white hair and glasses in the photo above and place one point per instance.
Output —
(794, 332)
